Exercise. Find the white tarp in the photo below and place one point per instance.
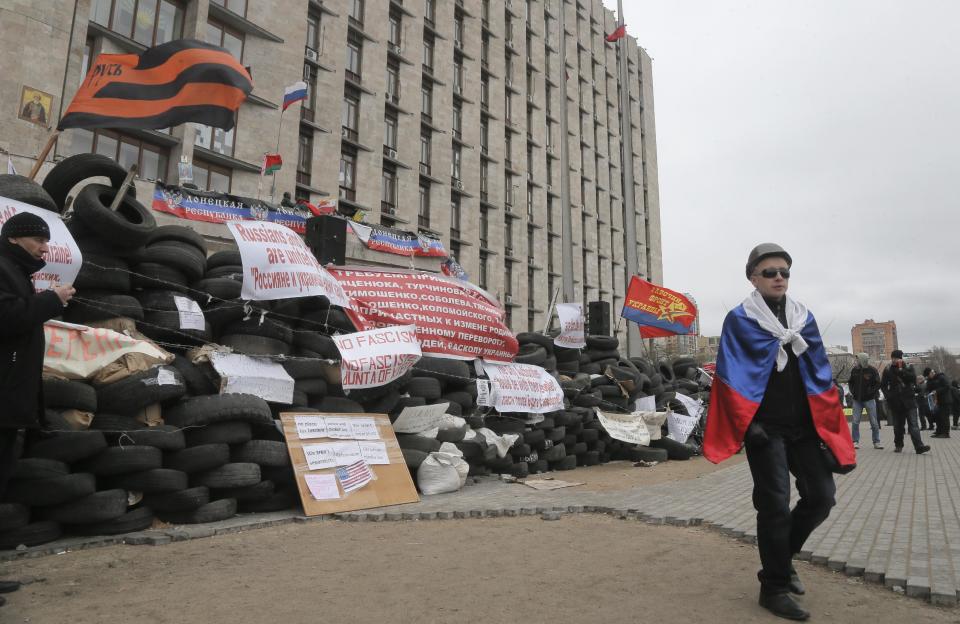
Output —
(63, 258)
(377, 357)
(523, 388)
(571, 326)
(262, 377)
(277, 264)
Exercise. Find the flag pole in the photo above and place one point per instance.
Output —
(553, 303)
(260, 180)
(51, 141)
(273, 184)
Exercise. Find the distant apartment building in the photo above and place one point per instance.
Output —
(875, 339)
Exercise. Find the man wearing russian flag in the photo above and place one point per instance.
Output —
(773, 394)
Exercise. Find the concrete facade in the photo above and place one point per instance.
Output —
(491, 176)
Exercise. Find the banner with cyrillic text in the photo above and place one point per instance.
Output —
(453, 318)
(63, 256)
(376, 357)
(524, 388)
(571, 326)
(277, 264)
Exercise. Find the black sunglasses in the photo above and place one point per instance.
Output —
(772, 273)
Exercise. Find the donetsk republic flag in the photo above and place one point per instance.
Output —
(657, 310)
(170, 84)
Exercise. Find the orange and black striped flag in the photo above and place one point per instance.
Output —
(173, 83)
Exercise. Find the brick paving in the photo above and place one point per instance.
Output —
(896, 521)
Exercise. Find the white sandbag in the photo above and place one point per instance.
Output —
(442, 472)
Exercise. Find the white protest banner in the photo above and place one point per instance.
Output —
(654, 422)
(63, 256)
(694, 406)
(571, 335)
(646, 404)
(79, 352)
(191, 316)
(262, 377)
(625, 427)
(277, 264)
(524, 388)
(680, 426)
(377, 357)
(420, 418)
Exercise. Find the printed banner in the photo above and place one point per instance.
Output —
(381, 238)
(680, 426)
(571, 326)
(657, 310)
(277, 264)
(63, 258)
(453, 318)
(78, 352)
(524, 388)
(222, 208)
(376, 357)
(625, 427)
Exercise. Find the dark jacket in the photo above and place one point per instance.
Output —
(941, 386)
(22, 344)
(899, 387)
(785, 404)
(864, 383)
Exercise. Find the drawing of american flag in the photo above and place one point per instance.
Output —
(354, 476)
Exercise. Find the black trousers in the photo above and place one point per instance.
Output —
(942, 418)
(8, 458)
(905, 416)
(781, 532)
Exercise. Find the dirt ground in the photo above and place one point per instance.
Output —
(581, 568)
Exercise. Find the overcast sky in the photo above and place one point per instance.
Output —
(830, 127)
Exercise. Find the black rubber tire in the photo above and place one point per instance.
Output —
(33, 534)
(281, 500)
(64, 393)
(320, 344)
(163, 437)
(565, 355)
(149, 275)
(448, 371)
(229, 432)
(538, 339)
(338, 405)
(428, 388)
(156, 480)
(164, 327)
(452, 434)
(300, 369)
(13, 516)
(531, 354)
(675, 450)
(97, 507)
(30, 468)
(137, 391)
(588, 399)
(666, 371)
(538, 466)
(52, 491)
(101, 272)
(227, 257)
(520, 470)
(118, 460)
(184, 500)
(267, 328)
(254, 345)
(230, 475)
(648, 454)
(131, 223)
(158, 300)
(180, 234)
(567, 463)
(211, 512)
(23, 189)
(417, 443)
(219, 287)
(232, 272)
(261, 452)
(197, 382)
(602, 343)
(413, 457)
(183, 257)
(549, 364)
(69, 447)
(200, 458)
(554, 453)
(315, 386)
(94, 305)
(115, 424)
(246, 494)
(73, 170)
(138, 519)
(206, 410)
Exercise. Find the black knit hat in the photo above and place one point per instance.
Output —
(896, 354)
(25, 224)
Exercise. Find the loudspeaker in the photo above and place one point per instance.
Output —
(598, 318)
(326, 236)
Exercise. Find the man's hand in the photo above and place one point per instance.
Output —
(65, 292)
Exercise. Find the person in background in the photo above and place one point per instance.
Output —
(955, 398)
(924, 413)
(864, 384)
(939, 387)
(899, 385)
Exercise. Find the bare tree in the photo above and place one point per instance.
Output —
(943, 361)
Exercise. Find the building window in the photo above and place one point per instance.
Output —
(456, 162)
(426, 138)
(151, 160)
(150, 22)
(237, 6)
(209, 177)
(393, 81)
(485, 10)
(485, 92)
(530, 202)
(313, 33)
(508, 70)
(484, 228)
(457, 77)
(454, 217)
(458, 30)
(508, 150)
(430, 11)
(484, 135)
(356, 11)
(388, 191)
(508, 190)
(484, 176)
(350, 116)
(508, 236)
(457, 120)
(423, 209)
(390, 135)
(428, 46)
(215, 139)
(225, 37)
(396, 31)
(354, 59)
(426, 101)
(347, 177)
(485, 50)
(483, 270)
(310, 104)
(304, 158)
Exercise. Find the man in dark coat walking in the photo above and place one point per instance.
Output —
(937, 383)
(23, 311)
(899, 385)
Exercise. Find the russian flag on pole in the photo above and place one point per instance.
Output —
(657, 310)
(745, 361)
(294, 93)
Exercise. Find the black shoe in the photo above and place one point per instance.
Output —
(9, 586)
(782, 605)
(796, 585)
(3, 601)
(898, 449)
(923, 449)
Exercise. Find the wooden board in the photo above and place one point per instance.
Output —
(392, 486)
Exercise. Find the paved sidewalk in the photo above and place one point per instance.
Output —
(896, 521)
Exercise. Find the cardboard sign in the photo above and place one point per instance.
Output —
(625, 427)
(376, 357)
(191, 316)
(262, 377)
(63, 258)
(680, 426)
(388, 481)
(571, 326)
(277, 264)
(524, 388)
(421, 418)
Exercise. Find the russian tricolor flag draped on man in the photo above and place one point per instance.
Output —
(746, 359)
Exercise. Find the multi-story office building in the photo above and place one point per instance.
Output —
(434, 115)
(875, 339)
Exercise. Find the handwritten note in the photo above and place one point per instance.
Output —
(374, 452)
(311, 427)
(364, 429)
(338, 427)
(322, 486)
(320, 456)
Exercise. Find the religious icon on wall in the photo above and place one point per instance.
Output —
(35, 106)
